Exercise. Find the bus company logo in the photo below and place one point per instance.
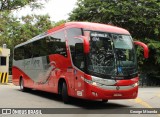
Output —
(6, 111)
(117, 87)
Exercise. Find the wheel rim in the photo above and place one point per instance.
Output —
(21, 85)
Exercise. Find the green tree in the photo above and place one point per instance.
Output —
(17, 30)
(11, 27)
(59, 23)
(16, 4)
(140, 17)
(14, 31)
(33, 25)
(8, 23)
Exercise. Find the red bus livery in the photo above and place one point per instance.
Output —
(79, 59)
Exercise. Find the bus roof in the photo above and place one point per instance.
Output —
(91, 26)
(85, 25)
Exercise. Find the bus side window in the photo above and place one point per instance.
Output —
(76, 47)
(57, 44)
(28, 51)
(19, 53)
(36, 50)
(40, 48)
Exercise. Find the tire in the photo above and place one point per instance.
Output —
(104, 101)
(65, 96)
(21, 84)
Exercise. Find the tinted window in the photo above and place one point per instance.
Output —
(40, 47)
(19, 53)
(79, 55)
(56, 44)
(71, 33)
(53, 44)
(76, 47)
(28, 51)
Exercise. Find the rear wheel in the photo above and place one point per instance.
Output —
(65, 96)
(22, 88)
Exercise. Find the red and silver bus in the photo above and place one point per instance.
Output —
(79, 59)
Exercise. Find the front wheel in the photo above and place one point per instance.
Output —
(65, 95)
(104, 101)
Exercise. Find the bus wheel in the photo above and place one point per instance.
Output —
(65, 96)
(22, 88)
(105, 101)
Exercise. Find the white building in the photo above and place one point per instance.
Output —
(4, 64)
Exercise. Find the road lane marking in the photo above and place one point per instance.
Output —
(143, 103)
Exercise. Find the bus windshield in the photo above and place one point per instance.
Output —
(111, 56)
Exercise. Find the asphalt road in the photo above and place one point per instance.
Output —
(12, 97)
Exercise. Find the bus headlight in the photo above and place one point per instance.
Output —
(94, 83)
(90, 82)
(135, 84)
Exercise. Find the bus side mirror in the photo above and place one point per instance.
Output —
(145, 48)
(86, 45)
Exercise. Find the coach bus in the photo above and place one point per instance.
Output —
(79, 59)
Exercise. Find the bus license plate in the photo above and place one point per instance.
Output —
(117, 94)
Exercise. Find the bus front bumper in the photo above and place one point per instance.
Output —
(110, 92)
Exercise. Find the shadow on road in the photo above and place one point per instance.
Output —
(79, 103)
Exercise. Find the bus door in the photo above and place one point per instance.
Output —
(75, 82)
(75, 72)
(78, 62)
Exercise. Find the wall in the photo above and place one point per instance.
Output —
(4, 52)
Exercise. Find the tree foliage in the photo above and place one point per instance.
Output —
(16, 4)
(59, 23)
(34, 25)
(15, 31)
(140, 17)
